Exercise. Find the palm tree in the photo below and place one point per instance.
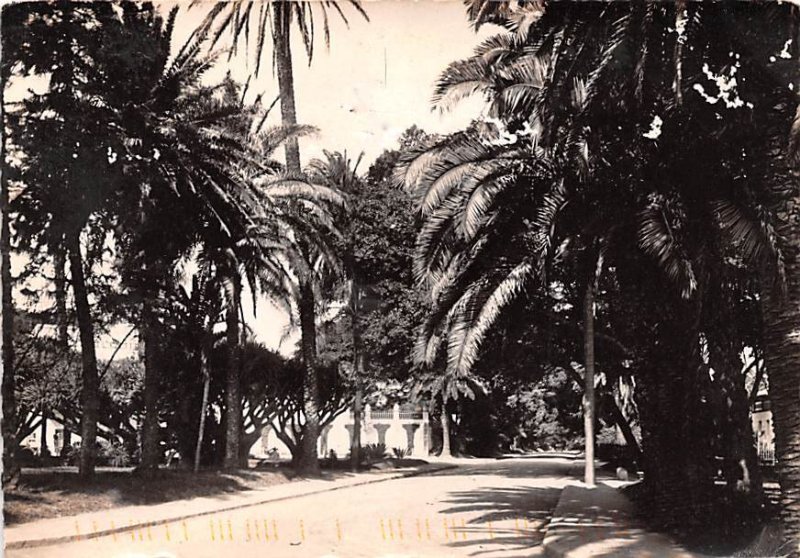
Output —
(9, 412)
(539, 88)
(339, 172)
(61, 197)
(234, 18)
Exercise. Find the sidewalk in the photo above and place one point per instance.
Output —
(107, 522)
(601, 522)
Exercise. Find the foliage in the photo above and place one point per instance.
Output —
(400, 453)
(373, 452)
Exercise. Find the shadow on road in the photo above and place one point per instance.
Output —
(510, 519)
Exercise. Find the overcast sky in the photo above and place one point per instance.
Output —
(375, 81)
(377, 78)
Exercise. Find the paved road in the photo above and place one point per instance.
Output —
(487, 509)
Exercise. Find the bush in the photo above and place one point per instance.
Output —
(26, 457)
(373, 452)
(400, 453)
(71, 454)
(113, 454)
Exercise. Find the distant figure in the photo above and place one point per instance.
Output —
(622, 473)
(273, 454)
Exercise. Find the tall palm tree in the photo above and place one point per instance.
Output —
(276, 18)
(234, 18)
(547, 82)
(62, 197)
(340, 173)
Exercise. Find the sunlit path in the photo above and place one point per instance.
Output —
(492, 509)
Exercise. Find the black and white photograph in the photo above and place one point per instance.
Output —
(400, 278)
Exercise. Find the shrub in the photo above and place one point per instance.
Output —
(373, 452)
(400, 453)
(113, 454)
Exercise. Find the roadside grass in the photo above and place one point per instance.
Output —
(62, 492)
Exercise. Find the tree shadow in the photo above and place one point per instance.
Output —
(508, 518)
(63, 492)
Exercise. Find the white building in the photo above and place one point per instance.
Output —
(762, 429)
(402, 426)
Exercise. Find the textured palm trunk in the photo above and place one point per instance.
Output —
(588, 383)
(43, 451)
(90, 383)
(205, 353)
(782, 360)
(61, 299)
(358, 359)
(150, 429)
(282, 20)
(10, 468)
(447, 450)
(233, 397)
(309, 463)
(676, 441)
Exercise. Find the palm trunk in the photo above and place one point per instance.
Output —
(89, 380)
(150, 430)
(781, 358)
(282, 20)
(446, 448)
(358, 360)
(309, 464)
(205, 353)
(43, 451)
(61, 300)
(233, 398)
(588, 383)
(10, 468)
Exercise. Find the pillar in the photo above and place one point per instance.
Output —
(410, 429)
(382, 428)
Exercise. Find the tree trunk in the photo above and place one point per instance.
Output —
(89, 380)
(782, 361)
(43, 451)
(446, 448)
(10, 468)
(309, 464)
(676, 443)
(358, 360)
(618, 418)
(233, 397)
(205, 353)
(282, 21)
(588, 383)
(151, 450)
(61, 299)
(742, 470)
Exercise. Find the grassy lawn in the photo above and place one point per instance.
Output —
(60, 491)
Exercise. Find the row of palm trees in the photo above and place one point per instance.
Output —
(643, 144)
(152, 166)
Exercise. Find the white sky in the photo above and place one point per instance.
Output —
(375, 81)
(377, 78)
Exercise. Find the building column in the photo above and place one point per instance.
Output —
(350, 428)
(324, 440)
(382, 428)
(410, 429)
